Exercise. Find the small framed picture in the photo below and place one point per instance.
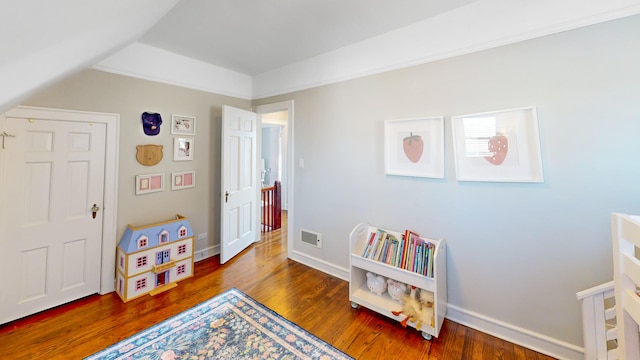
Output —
(414, 147)
(183, 180)
(502, 146)
(183, 148)
(183, 125)
(149, 183)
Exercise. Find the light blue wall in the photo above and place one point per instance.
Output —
(271, 153)
(518, 252)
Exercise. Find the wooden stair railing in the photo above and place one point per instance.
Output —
(271, 207)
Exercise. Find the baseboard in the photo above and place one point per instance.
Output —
(321, 265)
(523, 337)
(206, 253)
(297, 256)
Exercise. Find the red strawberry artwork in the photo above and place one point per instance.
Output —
(499, 146)
(413, 147)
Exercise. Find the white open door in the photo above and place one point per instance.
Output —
(239, 221)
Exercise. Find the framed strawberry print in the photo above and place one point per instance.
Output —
(414, 147)
(500, 146)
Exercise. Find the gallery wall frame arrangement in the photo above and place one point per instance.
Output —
(149, 183)
(183, 125)
(499, 146)
(183, 148)
(183, 180)
(414, 147)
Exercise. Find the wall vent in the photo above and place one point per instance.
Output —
(311, 238)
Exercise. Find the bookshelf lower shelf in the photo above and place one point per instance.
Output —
(384, 305)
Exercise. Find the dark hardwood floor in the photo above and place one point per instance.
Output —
(312, 299)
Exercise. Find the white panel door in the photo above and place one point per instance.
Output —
(239, 218)
(51, 175)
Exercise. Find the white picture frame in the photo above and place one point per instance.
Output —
(149, 183)
(414, 147)
(183, 125)
(183, 148)
(183, 180)
(498, 146)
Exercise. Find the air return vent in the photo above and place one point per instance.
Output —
(311, 238)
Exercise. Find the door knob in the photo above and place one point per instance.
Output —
(94, 210)
(226, 196)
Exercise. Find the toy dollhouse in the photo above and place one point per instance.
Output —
(153, 258)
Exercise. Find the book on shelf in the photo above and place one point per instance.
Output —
(411, 252)
(372, 243)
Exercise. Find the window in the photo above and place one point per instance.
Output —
(477, 133)
(141, 261)
(164, 237)
(121, 261)
(141, 284)
(143, 242)
(181, 269)
(182, 249)
(182, 232)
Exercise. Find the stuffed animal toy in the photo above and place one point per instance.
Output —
(426, 314)
(410, 307)
(376, 283)
(417, 306)
(396, 289)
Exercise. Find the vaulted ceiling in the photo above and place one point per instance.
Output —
(251, 48)
(253, 37)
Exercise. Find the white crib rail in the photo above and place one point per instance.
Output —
(598, 322)
(626, 277)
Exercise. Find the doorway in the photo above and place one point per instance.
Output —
(276, 148)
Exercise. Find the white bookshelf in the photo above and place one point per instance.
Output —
(360, 295)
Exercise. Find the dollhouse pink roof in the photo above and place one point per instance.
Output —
(129, 241)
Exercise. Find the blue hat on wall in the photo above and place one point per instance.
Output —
(151, 123)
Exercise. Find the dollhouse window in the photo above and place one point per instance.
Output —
(181, 269)
(141, 284)
(143, 242)
(164, 237)
(141, 261)
(121, 261)
(182, 249)
(182, 232)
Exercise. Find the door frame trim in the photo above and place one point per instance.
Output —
(110, 201)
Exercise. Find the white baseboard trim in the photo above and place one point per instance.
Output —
(206, 253)
(523, 337)
(325, 267)
(297, 256)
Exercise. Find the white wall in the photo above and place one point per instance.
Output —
(518, 252)
(42, 43)
(271, 153)
(94, 90)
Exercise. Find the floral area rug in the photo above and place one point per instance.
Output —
(229, 326)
